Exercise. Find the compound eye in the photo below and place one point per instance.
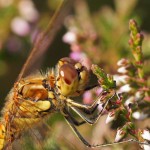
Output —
(68, 73)
(67, 60)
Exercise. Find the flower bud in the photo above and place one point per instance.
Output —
(139, 95)
(129, 101)
(123, 62)
(111, 116)
(121, 79)
(139, 115)
(125, 89)
(146, 147)
(120, 135)
(146, 135)
(122, 70)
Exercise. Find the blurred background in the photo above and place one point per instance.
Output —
(99, 26)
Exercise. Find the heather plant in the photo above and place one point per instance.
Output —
(133, 103)
(130, 84)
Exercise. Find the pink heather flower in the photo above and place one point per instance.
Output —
(20, 26)
(87, 97)
(121, 79)
(110, 117)
(70, 37)
(120, 134)
(146, 135)
(86, 62)
(28, 11)
(80, 56)
(122, 70)
(139, 115)
(76, 55)
(98, 90)
(125, 89)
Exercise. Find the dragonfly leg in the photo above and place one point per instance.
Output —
(71, 124)
(75, 122)
(87, 112)
(88, 109)
(82, 139)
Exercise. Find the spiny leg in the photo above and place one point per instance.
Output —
(71, 124)
(85, 111)
(88, 109)
(81, 138)
(75, 122)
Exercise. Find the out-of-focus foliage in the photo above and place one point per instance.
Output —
(104, 33)
(97, 32)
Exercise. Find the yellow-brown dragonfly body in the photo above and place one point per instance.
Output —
(37, 96)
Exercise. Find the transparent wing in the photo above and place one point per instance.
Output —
(45, 39)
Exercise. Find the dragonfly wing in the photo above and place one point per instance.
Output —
(45, 39)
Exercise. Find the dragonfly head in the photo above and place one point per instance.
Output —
(72, 77)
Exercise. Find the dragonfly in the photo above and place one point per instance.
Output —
(36, 96)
